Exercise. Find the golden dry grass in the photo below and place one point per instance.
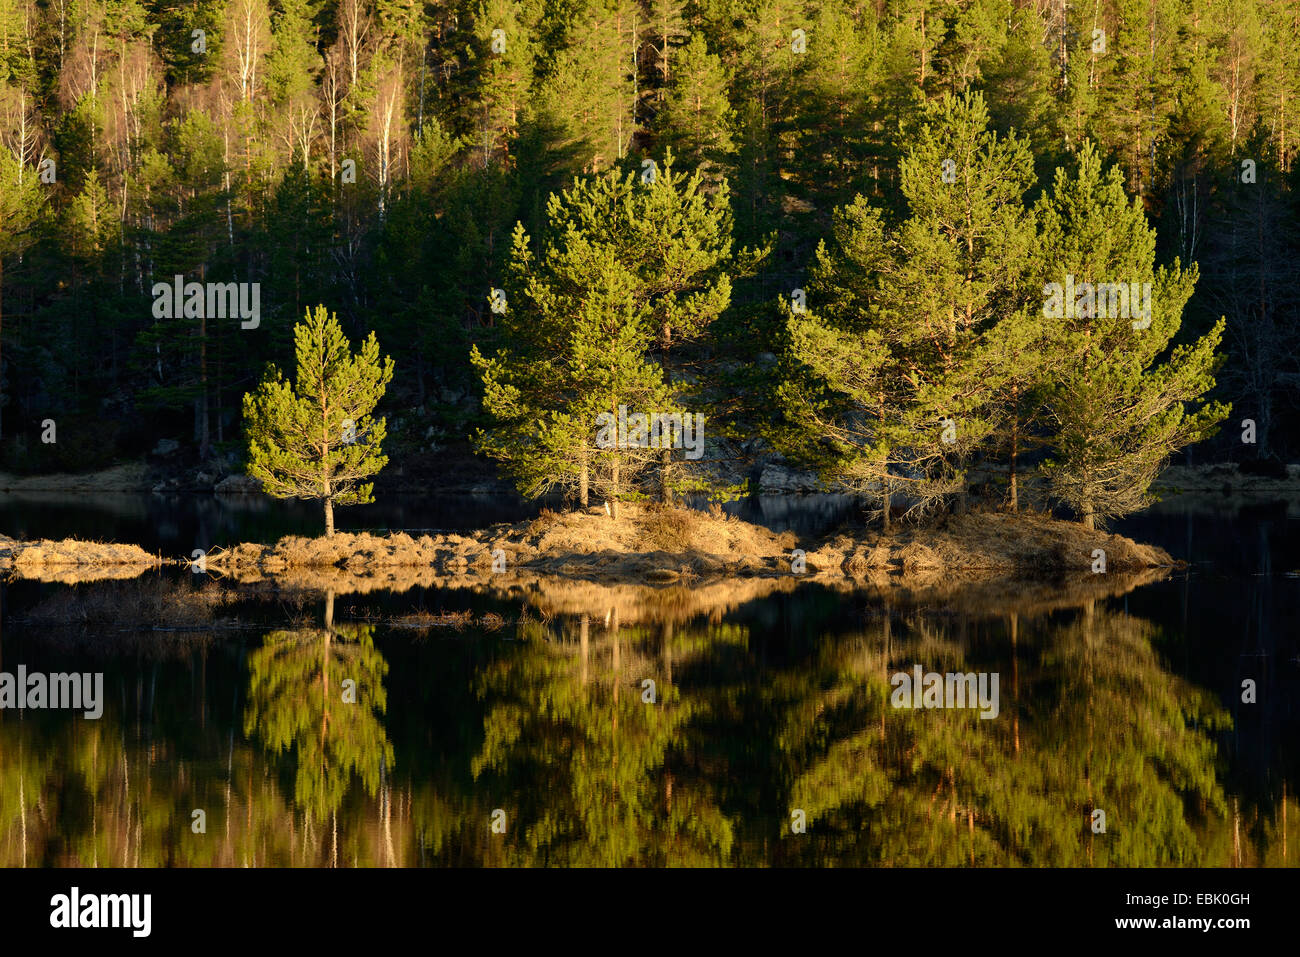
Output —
(1028, 545)
(655, 545)
(659, 544)
(72, 560)
(666, 545)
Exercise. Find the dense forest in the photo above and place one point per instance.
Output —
(780, 194)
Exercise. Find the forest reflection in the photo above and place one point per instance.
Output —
(602, 727)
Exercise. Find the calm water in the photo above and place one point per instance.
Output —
(527, 708)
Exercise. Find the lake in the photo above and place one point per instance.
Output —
(741, 723)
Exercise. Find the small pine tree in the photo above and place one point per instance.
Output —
(578, 343)
(631, 265)
(316, 439)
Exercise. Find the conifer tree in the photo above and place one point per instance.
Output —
(907, 323)
(590, 93)
(317, 438)
(696, 119)
(577, 348)
(632, 265)
(1123, 397)
(503, 65)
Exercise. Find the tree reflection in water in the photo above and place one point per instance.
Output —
(767, 700)
(319, 693)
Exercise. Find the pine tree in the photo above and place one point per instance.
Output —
(294, 64)
(589, 95)
(834, 132)
(843, 392)
(1123, 398)
(653, 238)
(577, 348)
(696, 119)
(502, 72)
(1018, 83)
(933, 291)
(317, 438)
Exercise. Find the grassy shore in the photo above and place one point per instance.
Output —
(652, 545)
(72, 560)
(664, 545)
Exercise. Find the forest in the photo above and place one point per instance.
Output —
(825, 226)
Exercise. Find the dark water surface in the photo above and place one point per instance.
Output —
(374, 729)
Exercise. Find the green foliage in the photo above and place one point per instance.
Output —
(1123, 398)
(940, 325)
(316, 438)
(909, 326)
(228, 164)
(629, 268)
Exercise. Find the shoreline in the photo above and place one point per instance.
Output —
(655, 546)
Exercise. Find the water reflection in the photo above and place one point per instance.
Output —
(1091, 721)
(611, 727)
(317, 695)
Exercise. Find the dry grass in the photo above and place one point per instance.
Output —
(661, 542)
(657, 545)
(72, 560)
(662, 545)
(673, 529)
(1028, 545)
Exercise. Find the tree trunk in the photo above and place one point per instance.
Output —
(329, 517)
(1089, 519)
(614, 488)
(887, 502)
(1015, 450)
(884, 518)
(584, 478)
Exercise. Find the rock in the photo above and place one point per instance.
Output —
(166, 447)
(238, 485)
(205, 479)
(777, 478)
